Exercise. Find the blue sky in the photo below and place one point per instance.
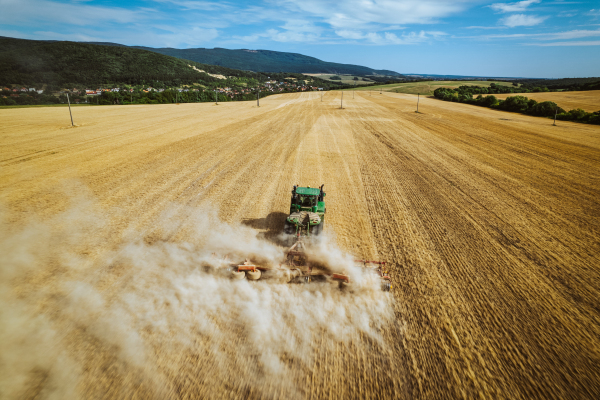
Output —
(531, 38)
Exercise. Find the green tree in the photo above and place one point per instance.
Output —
(489, 101)
(546, 109)
(516, 104)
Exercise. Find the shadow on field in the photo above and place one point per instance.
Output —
(272, 226)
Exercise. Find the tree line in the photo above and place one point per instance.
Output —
(127, 97)
(520, 104)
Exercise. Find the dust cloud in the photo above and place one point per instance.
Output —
(92, 309)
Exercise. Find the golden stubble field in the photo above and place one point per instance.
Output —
(586, 100)
(490, 222)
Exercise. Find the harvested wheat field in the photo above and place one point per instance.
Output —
(490, 222)
(587, 100)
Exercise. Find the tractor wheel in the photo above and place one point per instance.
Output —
(386, 286)
(306, 279)
(237, 275)
(289, 228)
(253, 275)
(318, 229)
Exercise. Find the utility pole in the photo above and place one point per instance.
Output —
(68, 101)
(555, 112)
(380, 90)
(258, 96)
(418, 96)
(342, 100)
(216, 99)
(321, 96)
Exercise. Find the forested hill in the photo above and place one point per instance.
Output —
(31, 62)
(266, 61)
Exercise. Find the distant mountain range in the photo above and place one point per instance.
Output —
(263, 61)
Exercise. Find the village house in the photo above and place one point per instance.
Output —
(40, 91)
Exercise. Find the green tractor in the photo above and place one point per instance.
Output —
(307, 212)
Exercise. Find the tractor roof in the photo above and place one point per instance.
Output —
(308, 191)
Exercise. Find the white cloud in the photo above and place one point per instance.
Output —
(513, 7)
(45, 11)
(282, 36)
(295, 30)
(196, 5)
(297, 25)
(566, 35)
(485, 27)
(567, 15)
(180, 37)
(387, 38)
(576, 34)
(291, 36)
(349, 34)
(587, 43)
(522, 20)
(361, 14)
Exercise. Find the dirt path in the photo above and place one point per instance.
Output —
(490, 222)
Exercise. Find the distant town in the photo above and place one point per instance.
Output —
(143, 94)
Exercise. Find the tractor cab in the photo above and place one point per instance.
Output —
(307, 211)
(307, 199)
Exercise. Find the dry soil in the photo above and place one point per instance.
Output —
(490, 223)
